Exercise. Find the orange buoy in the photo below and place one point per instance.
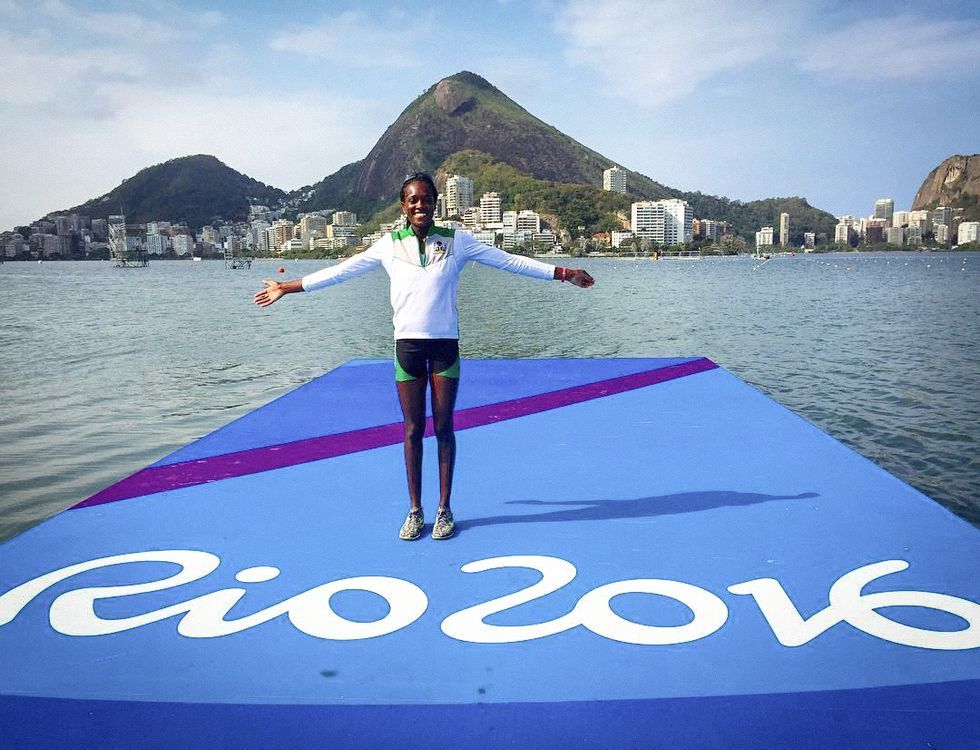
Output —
(282, 270)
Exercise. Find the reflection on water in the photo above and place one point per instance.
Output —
(104, 370)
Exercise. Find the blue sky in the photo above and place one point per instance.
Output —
(839, 102)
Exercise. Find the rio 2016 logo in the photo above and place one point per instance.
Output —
(73, 613)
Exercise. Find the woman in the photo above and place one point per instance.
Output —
(423, 262)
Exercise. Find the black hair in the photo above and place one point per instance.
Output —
(423, 177)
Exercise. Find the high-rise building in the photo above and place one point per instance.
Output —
(940, 233)
(459, 194)
(764, 237)
(784, 229)
(667, 222)
(647, 220)
(678, 221)
(885, 209)
(490, 208)
(900, 218)
(614, 179)
(345, 218)
(942, 215)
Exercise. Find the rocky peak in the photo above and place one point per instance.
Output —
(955, 182)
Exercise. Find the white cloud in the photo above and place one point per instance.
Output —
(655, 51)
(32, 74)
(50, 161)
(123, 25)
(356, 41)
(899, 48)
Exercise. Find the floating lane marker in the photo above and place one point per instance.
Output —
(241, 463)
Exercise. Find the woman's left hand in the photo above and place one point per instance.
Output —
(579, 278)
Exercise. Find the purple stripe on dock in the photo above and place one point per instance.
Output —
(241, 463)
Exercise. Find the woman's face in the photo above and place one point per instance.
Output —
(419, 205)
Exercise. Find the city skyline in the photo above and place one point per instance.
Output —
(839, 103)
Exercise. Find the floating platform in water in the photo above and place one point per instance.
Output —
(649, 553)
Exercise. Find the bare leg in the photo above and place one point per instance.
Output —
(411, 395)
(443, 403)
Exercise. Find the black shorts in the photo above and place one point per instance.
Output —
(419, 358)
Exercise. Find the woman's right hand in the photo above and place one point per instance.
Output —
(272, 292)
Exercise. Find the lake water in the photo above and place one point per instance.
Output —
(105, 370)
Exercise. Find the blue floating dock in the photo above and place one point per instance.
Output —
(650, 553)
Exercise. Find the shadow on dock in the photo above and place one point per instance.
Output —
(641, 507)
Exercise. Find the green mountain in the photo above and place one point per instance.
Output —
(195, 189)
(464, 125)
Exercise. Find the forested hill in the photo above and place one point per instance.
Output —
(193, 189)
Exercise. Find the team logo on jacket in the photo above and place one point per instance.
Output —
(439, 247)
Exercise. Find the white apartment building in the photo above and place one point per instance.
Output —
(614, 180)
(842, 233)
(895, 235)
(969, 231)
(459, 195)
(344, 218)
(940, 233)
(472, 218)
(544, 240)
(509, 221)
(327, 243)
(667, 222)
(764, 237)
(618, 238)
(900, 218)
(486, 236)
(490, 208)
(647, 220)
(183, 245)
(512, 240)
(528, 221)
